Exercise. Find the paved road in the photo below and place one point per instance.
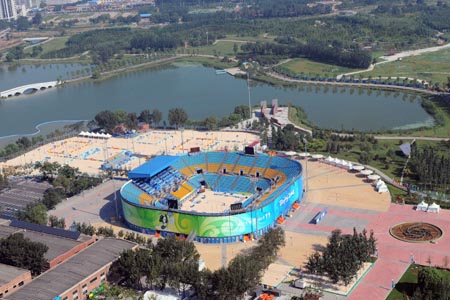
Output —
(369, 85)
(419, 138)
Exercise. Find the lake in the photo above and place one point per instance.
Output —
(200, 92)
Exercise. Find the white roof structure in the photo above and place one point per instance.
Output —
(366, 172)
(150, 295)
(358, 168)
(422, 206)
(304, 154)
(434, 208)
(373, 177)
(380, 183)
(383, 189)
(290, 153)
(317, 156)
(338, 161)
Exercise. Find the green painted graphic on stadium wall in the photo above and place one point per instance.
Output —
(213, 226)
(206, 226)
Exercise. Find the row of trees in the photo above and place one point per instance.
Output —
(430, 166)
(343, 256)
(175, 263)
(109, 120)
(318, 50)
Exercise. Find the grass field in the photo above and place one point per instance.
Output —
(434, 67)
(222, 48)
(306, 66)
(54, 44)
(408, 283)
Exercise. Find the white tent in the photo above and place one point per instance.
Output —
(290, 153)
(329, 159)
(422, 206)
(317, 156)
(82, 133)
(373, 177)
(366, 172)
(304, 154)
(358, 168)
(379, 183)
(434, 208)
(149, 295)
(382, 188)
(338, 162)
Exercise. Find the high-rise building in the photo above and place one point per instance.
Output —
(8, 10)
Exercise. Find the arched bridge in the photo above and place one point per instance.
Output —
(29, 87)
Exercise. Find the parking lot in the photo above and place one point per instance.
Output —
(22, 192)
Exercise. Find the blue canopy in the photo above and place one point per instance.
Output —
(153, 166)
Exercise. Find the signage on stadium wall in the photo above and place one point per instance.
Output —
(213, 226)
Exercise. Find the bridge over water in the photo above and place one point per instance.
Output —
(29, 87)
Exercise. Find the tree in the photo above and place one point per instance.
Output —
(18, 251)
(211, 123)
(37, 19)
(131, 121)
(57, 223)
(156, 116)
(145, 116)
(343, 256)
(47, 169)
(107, 120)
(52, 197)
(22, 23)
(34, 213)
(177, 117)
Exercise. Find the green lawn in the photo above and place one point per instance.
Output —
(309, 67)
(222, 48)
(54, 44)
(406, 284)
(434, 67)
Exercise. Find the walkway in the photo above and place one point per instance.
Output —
(344, 84)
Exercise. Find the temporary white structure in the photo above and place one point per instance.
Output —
(304, 154)
(379, 183)
(366, 172)
(338, 162)
(317, 156)
(358, 168)
(422, 206)
(434, 208)
(373, 177)
(290, 153)
(329, 159)
(383, 188)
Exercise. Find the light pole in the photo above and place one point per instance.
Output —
(182, 141)
(306, 163)
(249, 95)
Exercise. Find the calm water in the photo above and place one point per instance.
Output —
(201, 93)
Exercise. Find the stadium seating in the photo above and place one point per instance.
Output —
(215, 157)
(247, 160)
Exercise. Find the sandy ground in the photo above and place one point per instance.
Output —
(299, 246)
(89, 154)
(217, 255)
(338, 187)
(212, 202)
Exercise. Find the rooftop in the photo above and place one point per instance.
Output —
(56, 245)
(8, 273)
(153, 166)
(69, 273)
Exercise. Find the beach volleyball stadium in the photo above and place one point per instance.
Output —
(212, 197)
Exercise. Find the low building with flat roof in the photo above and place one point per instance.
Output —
(76, 277)
(11, 278)
(61, 245)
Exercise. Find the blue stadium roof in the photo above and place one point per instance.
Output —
(153, 166)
